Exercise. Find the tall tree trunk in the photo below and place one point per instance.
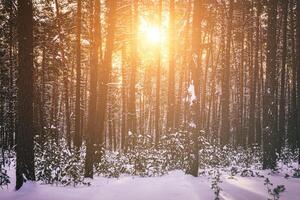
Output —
(253, 71)
(282, 113)
(65, 76)
(11, 106)
(92, 123)
(241, 137)
(225, 97)
(204, 85)
(124, 100)
(171, 76)
(269, 101)
(42, 100)
(132, 126)
(25, 128)
(78, 137)
(260, 86)
(106, 70)
(157, 101)
(213, 98)
(292, 122)
(298, 72)
(196, 45)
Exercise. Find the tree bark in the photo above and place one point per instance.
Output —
(25, 128)
(78, 137)
(196, 46)
(124, 100)
(158, 74)
(225, 97)
(282, 105)
(132, 126)
(269, 101)
(298, 72)
(106, 70)
(92, 123)
(171, 76)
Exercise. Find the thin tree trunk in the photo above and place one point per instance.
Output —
(78, 138)
(282, 107)
(292, 123)
(132, 126)
(157, 101)
(171, 76)
(124, 100)
(241, 138)
(298, 72)
(253, 74)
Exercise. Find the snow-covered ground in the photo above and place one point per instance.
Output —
(174, 186)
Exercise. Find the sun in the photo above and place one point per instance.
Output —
(150, 34)
(153, 34)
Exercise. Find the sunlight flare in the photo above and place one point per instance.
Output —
(153, 35)
(150, 33)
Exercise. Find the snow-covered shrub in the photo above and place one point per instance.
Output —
(7, 158)
(233, 171)
(275, 192)
(247, 173)
(212, 155)
(73, 171)
(112, 164)
(215, 181)
(296, 173)
(176, 149)
(4, 178)
(288, 156)
(142, 160)
(57, 164)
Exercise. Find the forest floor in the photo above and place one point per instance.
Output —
(173, 186)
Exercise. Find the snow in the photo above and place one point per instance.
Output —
(174, 186)
(245, 188)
